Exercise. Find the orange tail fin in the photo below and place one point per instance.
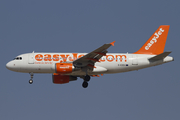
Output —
(156, 43)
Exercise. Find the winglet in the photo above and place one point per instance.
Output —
(112, 43)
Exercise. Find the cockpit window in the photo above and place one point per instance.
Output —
(18, 58)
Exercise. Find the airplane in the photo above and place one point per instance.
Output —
(66, 67)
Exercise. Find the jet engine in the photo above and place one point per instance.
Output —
(62, 79)
(63, 68)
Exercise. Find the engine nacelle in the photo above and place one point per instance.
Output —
(63, 68)
(62, 79)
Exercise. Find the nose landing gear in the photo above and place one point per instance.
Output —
(31, 80)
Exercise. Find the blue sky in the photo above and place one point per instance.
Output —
(82, 26)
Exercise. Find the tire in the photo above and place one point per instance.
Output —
(30, 81)
(87, 78)
(85, 84)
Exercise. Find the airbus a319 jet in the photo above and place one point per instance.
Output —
(66, 67)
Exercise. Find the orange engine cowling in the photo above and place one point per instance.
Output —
(64, 68)
(62, 79)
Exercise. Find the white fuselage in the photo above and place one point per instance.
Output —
(111, 63)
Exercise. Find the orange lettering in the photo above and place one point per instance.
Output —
(47, 57)
(55, 57)
(39, 57)
(64, 58)
(110, 60)
(102, 60)
(121, 57)
(80, 56)
(74, 57)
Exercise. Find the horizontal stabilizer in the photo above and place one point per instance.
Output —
(160, 56)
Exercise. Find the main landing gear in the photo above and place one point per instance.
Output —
(31, 80)
(86, 80)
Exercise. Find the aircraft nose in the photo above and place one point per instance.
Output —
(9, 65)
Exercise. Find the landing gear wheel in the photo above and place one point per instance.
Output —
(30, 81)
(87, 78)
(85, 84)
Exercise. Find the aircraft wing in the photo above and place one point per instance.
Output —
(92, 57)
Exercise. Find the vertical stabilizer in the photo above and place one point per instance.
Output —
(156, 43)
